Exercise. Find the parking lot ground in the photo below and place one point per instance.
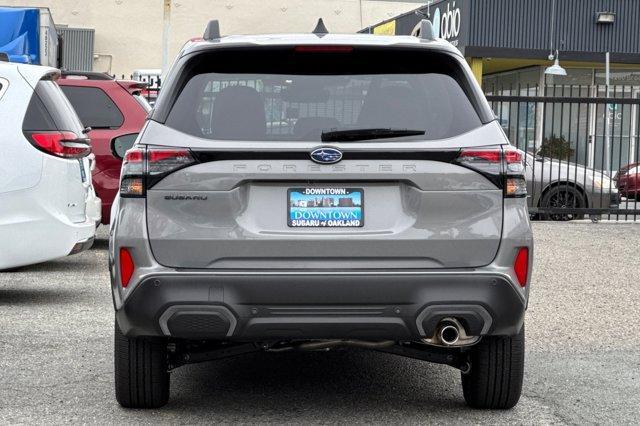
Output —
(583, 352)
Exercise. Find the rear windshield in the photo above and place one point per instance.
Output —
(49, 109)
(298, 96)
(94, 107)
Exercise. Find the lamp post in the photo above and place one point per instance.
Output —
(166, 27)
(607, 118)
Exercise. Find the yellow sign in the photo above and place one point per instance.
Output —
(388, 28)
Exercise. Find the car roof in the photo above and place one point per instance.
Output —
(31, 73)
(367, 40)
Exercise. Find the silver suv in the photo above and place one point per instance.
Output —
(314, 191)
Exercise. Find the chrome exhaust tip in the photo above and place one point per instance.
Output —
(449, 334)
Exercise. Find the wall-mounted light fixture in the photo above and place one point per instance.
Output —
(605, 17)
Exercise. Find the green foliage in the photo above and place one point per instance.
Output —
(556, 147)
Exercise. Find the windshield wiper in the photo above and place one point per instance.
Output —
(365, 134)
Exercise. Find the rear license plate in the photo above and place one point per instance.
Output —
(83, 174)
(327, 207)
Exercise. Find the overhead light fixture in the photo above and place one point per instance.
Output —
(555, 69)
(605, 17)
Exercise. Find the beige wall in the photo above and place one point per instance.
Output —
(129, 32)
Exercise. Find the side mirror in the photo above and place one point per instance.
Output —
(122, 144)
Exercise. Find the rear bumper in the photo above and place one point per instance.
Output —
(264, 306)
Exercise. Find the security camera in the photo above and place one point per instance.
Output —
(551, 56)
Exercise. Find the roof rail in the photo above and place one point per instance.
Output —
(320, 28)
(4, 57)
(426, 30)
(90, 75)
(212, 31)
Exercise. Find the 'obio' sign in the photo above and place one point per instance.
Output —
(447, 24)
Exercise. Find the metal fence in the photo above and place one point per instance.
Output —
(152, 90)
(581, 148)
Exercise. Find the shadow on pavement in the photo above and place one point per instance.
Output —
(315, 384)
(43, 296)
(100, 244)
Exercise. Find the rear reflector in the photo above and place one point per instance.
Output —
(60, 144)
(521, 266)
(126, 267)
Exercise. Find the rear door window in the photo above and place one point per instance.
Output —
(344, 93)
(94, 107)
(49, 110)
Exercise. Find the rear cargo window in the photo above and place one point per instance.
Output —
(49, 109)
(94, 107)
(288, 96)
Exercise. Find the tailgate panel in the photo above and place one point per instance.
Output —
(441, 216)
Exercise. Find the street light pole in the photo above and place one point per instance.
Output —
(607, 119)
(166, 29)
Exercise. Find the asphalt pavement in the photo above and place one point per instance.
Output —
(583, 355)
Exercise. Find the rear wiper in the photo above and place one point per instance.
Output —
(365, 134)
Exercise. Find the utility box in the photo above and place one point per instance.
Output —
(77, 48)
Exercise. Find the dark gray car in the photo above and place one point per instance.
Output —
(306, 192)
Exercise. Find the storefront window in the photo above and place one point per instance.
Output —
(522, 82)
(575, 83)
(619, 77)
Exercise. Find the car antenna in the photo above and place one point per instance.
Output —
(320, 28)
(426, 30)
(212, 31)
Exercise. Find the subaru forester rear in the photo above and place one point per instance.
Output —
(305, 192)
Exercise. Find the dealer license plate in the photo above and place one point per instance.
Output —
(325, 207)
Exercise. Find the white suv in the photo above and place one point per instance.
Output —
(48, 208)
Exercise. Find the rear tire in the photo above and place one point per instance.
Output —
(141, 371)
(562, 196)
(497, 370)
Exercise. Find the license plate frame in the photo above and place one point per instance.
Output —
(348, 215)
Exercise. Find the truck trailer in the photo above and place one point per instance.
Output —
(28, 35)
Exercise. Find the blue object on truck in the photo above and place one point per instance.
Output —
(20, 34)
(29, 35)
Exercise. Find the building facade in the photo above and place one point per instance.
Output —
(508, 46)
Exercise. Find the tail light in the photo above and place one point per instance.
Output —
(503, 166)
(521, 266)
(143, 167)
(126, 267)
(60, 144)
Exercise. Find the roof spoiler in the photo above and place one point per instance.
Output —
(212, 31)
(89, 75)
(133, 86)
(426, 30)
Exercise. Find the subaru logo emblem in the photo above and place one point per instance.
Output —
(326, 155)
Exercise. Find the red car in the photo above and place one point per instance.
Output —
(628, 181)
(114, 109)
